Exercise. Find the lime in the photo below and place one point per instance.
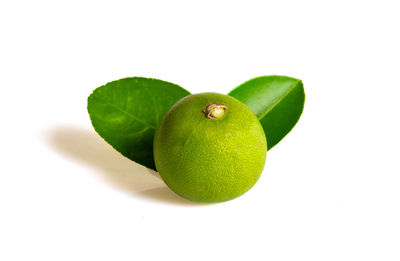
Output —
(209, 147)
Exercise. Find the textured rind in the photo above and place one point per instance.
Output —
(209, 160)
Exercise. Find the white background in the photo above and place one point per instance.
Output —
(330, 190)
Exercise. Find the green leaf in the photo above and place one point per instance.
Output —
(277, 101)
(126, 112)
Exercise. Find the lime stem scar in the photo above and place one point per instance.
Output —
(215, 111)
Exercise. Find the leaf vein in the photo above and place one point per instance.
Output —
(279, 100)
(154, 104)
(123, 111)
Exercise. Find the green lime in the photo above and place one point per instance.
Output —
(209, 147)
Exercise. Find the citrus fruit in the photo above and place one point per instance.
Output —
(209, 147)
